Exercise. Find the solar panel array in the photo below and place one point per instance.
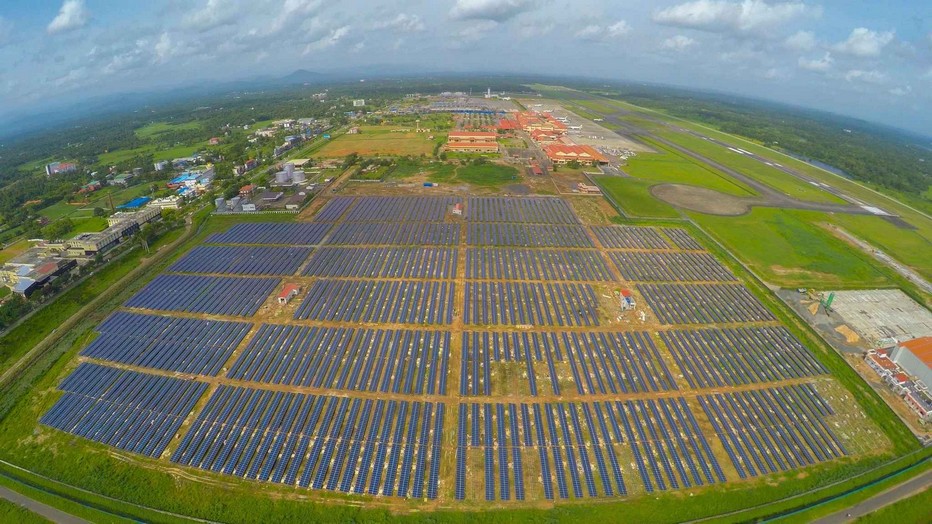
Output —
(322, 442)
(185, 345)
(124, 409)
(202, 294)
(290, 234)
(242, 260)
(380, 320)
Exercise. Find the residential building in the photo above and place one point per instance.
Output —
(359, 103)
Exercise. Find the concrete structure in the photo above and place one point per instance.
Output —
(586, 188)
(919, 400)
(161, 166)
(915, 357)
(30, 271)
(121, 225)
(169, 202)
(57, 168)
(881, 314)
(122, 179)
(359, 102)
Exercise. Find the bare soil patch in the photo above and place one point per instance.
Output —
(703, 200)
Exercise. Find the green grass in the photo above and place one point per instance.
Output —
(915, 509)
(88, 225)
(5, 292)
(750, 167)
(13, 250)
(486, 175)
(671, 167)
(786, 248)
(10, 512)
(909, 246)
(155, 130)
(633, 196)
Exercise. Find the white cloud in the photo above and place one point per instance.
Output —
(749, 17)
(329, 40)
(677, 43)
(293, 10)
(531, 29)
(403, 23)
(215, 13)
(475, 31)
(901, 90)
(72, 15)
(818, 65)
(801, 41)
(619, 28)
(595, 32)
(868, 77)
(497, 10)
(865, 43)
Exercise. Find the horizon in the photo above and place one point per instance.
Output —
(872, 63)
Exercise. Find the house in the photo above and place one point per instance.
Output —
(246, 190)
(90, 187)
(214, 141)
(458, 209)
(288, 292)
(353, 131)
(161, 166)
(122, 179)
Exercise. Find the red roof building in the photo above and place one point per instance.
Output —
(507, 124)
(288, 292)
(565, 153)
(472, 142)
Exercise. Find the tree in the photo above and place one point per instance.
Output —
(100, 212)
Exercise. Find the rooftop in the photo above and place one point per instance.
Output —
(921, 347)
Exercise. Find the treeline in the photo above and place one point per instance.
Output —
(867, 152)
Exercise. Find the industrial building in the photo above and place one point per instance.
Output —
(472, 142)
(57, 168)
(121, 225)
(33, 269)
(915, 357)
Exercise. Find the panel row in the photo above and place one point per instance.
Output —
(124, 409)
(682, 239)
(401, 209)
(530, 304)
(289, 234)
(204, 294)
(630, 237)
(408, 362)
(334, 209)
(351, 445)
(185, 345)
(530, 210)
(704, 304)
(536, 264)
(770, 430)
(383, 262)
(394, 302)
(389, 233)
(527, 235)
(590, 363)
(731, 357)
(242, 260)
(654, 267)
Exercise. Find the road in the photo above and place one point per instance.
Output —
(878, 501)
(768, 195)
(55, 515)
(903, 270)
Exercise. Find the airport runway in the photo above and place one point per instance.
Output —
(54, 515)
(878, 501)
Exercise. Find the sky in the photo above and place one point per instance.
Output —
(871, 60)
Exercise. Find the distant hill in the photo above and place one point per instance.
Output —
(302, 76)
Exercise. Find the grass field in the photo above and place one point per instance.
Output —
(98, 199)
(670, 167)
(155, 130)
(88, 225)
(633, 196)
(13, 250)
(786, 248)
(10, 512)
(378, 140)
(485, 175)
(910, 246)
(911, 510)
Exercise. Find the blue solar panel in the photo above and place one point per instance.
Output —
(242, 260)
(203, 294)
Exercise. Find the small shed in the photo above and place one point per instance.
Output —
(288, 292)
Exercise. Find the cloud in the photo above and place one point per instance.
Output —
(868, 77)
(901, 90)
(293, 10)
(329, 40)
(801, 41)
(863, 42)
(403, 23)
(215, 13)
(531, 29)
(595, 32)
(72, 15)
(496, 10)
(817, 65)
(748, 17)
(474, 32)
(677, 43)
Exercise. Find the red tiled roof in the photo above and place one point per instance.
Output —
(563, 151)
(472, 145)
(921, 347)
(885, 363)
(288, 289)
(471, 134)
(901, 378)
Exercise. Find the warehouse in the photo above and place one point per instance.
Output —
(566, 153)
(472, 142)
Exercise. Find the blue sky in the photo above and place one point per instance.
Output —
(867, 59)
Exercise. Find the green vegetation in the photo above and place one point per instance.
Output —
(10, 512)
(911, 510)
(784, 247)
(156, 129)
(13, 250)
(669, 166)
(634, 198)
(909, 246)
(479, 174)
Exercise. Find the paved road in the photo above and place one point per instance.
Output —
(884, 498)
(57, 516)
(768, 195)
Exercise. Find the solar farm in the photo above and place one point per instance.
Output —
(477, 358)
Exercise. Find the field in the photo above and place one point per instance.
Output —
(475, 425)
(378, 140)
(670, 167)
(155, 130)
(10, 512)
(13, 250)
